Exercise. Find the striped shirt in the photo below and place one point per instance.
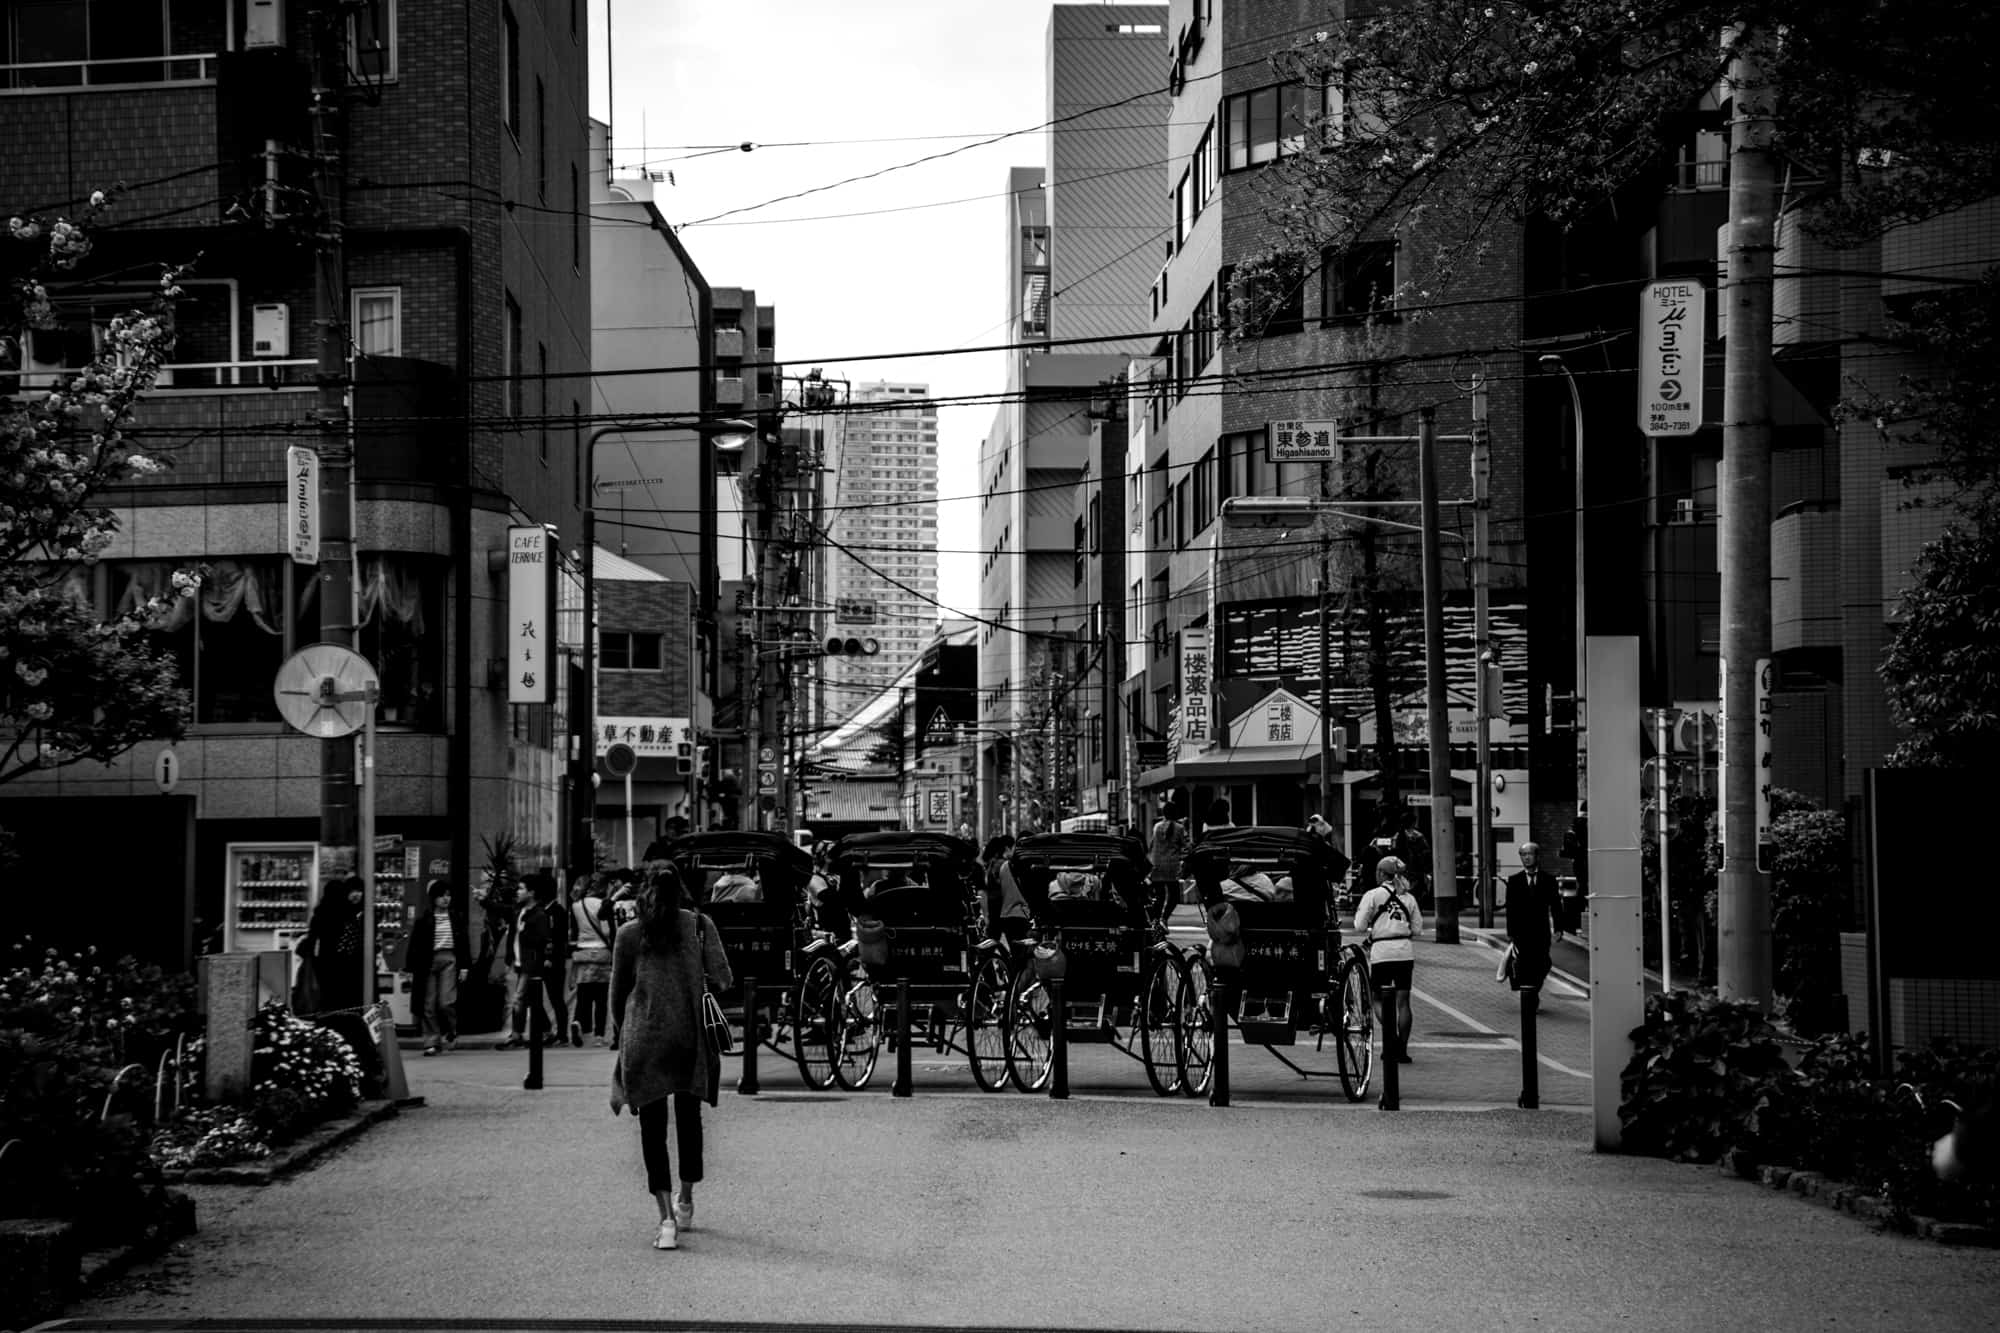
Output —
(444, 941)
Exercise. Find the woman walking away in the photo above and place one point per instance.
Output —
(590, 965)
(657, 963)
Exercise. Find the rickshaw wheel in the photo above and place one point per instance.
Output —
(1159, 1020)
(986, 1022)
(1030, 1031)
(1197, 1024)
(811, 1003)
(854, 1029)
(1354, 1028)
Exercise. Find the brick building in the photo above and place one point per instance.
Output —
(465, 309)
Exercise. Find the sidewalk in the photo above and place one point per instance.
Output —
(1127, 1212)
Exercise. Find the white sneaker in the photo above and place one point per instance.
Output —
(669, 1237)
(684, 1214)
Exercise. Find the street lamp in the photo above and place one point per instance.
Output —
(1551, 361)
(728, 435)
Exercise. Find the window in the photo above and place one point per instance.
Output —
(575, 219)
(1246, 469)
(541, 141)
(626, 651)
(371, 41)
(378, 321)
(1080, 537)
(1182, 515)
(1184, 208)
(1359, 281)
(512, 352)
(252, 612)
(1204, 492)
(510, 72)
(1264, 125)
(66, 43)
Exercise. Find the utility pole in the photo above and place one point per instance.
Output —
(1444, 820)
(1484, 702)
(1326, 655)
(1744, 894)
(338, 812)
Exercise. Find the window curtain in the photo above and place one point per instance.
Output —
(255, 586)
(392, 586)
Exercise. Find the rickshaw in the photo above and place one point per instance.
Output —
(753, 885)
(1091, 903)
(1295, 979)
(913, 898)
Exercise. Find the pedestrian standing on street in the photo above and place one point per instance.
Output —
(1166, 850)
(558, 937)
(665, 1067)
(1533, 920)
(525, 942)
(436, 958)
(333, 943)
(590, 965)
(1388, 918)
(1006, 911)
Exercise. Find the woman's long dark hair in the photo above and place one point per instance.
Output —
(661, 899)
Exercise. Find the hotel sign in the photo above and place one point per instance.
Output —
(302, 505)
(1672, 317)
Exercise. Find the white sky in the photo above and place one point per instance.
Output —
(704, 72)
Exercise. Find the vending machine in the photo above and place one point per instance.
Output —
(270, 892)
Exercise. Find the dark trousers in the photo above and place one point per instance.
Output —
(687, 1135)
(558, 1000)
(592, 1002)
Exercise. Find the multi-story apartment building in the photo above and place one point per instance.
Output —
(1082, 240)
(463, 319)
(882, 536)
(1226, 690)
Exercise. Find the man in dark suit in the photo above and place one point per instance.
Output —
(1533, 919)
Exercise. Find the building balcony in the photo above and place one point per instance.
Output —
(729, 344)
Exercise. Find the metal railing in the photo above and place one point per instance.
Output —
(184, 376)
(39, 76)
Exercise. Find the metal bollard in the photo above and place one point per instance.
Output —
(747, 1085)
(1531, 1078)
(1392, 1092)
(1218, 1085)
(901, 1087)
(1059, 1039)
(533, 993)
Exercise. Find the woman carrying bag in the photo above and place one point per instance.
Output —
(661, 966)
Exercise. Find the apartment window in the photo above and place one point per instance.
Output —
(1185, 207)
(542, 401)
(541, 141)
(1204, 492)
(1246, 469)
(377, 319)
(109, 42)
(371, 41)
(1264, 125)
(1359, 281)
(625, 651)
(1182, 514)
(1079, 548)
(513, 355)
(510, 71)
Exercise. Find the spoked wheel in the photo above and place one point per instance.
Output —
(1159, 1022)
(986, 1021)
(854, 1029)
(1197, 1023)
(1030, 1031)
(1354, 1028)
(812, 1002)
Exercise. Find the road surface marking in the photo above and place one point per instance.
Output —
(1511, 1043)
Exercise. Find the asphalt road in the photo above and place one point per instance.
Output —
(1289, 1210)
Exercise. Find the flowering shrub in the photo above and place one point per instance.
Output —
(122, 1011)
(210, 1136)
(290, 1055)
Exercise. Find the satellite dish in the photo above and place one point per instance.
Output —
(323, 690)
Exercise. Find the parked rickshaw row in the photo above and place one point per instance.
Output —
(897, 942)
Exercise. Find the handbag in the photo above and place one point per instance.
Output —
(714, 1023)
(305, 987)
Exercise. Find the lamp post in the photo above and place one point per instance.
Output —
(1551, 361)
(727, 435)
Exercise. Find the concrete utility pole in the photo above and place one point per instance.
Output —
(1444, 824)
(338, 811)
(1485, 704)
(1326, 656)
(1744, 895)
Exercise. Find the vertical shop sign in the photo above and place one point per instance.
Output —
(1194, 687)
(302, 505)
(529, 626)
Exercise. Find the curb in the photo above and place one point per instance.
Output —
(1845, 1198)
(1487, 939)
(47, 1272)
(293, 1156)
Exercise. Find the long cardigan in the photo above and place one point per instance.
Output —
(655, 998)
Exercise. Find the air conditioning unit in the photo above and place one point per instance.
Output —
(271, 330)
(1685, 511)
(264, 24)
(729, 391)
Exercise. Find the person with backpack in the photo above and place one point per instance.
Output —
(1389, 919)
